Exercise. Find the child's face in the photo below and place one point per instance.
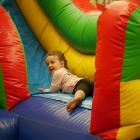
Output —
(54, 63)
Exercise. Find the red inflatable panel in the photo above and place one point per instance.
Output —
(12, 63)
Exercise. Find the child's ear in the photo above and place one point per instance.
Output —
(62, 63)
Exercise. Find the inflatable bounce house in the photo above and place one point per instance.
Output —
(100, 42)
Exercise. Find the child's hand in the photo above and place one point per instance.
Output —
(43, 89)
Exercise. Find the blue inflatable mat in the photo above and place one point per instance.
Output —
(47, 119)
(8, 126)
(65, 97)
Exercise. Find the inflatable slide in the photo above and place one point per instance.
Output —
(81, 30)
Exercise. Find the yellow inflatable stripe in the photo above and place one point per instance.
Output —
(80, 64)
(34, 15)
(129, 104)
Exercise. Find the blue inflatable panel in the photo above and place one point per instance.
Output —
(47, 119)
(8, 126)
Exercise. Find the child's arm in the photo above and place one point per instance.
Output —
(55, 83)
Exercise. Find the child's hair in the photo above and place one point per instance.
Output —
(59, 54)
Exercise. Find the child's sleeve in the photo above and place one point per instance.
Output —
(56, 81)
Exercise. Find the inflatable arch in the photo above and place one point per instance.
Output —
(74, 34)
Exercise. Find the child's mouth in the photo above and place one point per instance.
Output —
(51, 69)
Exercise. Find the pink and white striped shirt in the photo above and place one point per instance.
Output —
(63, 79)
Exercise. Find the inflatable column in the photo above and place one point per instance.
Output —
(116, 102)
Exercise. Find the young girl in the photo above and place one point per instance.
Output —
(63, 80)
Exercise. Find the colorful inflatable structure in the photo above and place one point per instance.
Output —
(81, 31)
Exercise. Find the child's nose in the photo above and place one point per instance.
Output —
(50, 65)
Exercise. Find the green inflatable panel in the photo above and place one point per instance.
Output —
(76, 26)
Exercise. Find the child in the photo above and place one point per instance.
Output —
(64, 80)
